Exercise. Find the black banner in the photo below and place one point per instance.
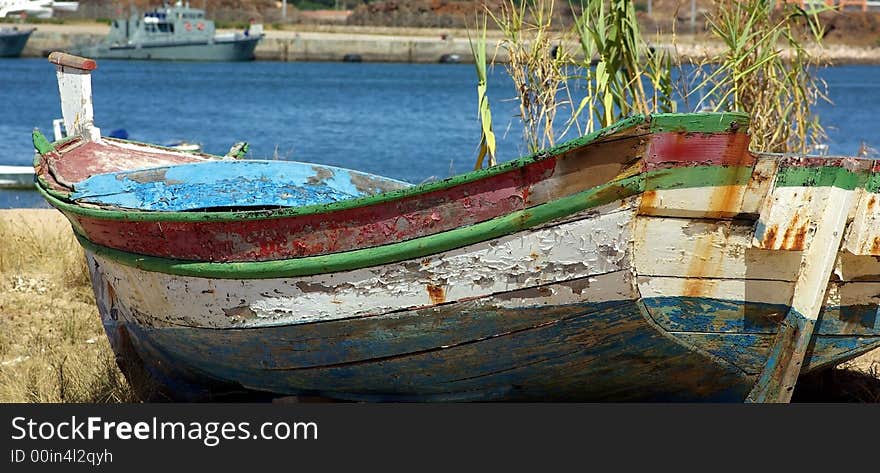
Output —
(411, 437)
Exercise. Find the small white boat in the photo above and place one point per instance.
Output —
(16, 177)
(35, 8)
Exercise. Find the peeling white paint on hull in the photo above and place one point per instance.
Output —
(574, 250)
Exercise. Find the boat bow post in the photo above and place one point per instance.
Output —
(822, 236)
(75, 87)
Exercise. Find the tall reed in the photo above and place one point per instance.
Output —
(616, 65)
(615, 73)
(538, 65)
(766, 69)
(487, 136)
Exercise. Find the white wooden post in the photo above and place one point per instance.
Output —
(75, 86)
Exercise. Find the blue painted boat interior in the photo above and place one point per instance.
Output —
(230, 184)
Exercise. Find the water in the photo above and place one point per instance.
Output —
(405, 121)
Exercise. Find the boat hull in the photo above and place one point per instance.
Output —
(235, 50)
(466, 351)
(550, 313)
(12, 44)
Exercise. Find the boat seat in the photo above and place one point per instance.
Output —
(231, 185)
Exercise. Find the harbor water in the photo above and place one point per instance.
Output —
(406, 121)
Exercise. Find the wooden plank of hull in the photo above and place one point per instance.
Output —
(674, 149)
(608, 353)
(850, 267)
(664, 245)
(863, 237)
(722, 160)
(736, 309)
(829, 350)
(722, 197)
(749, 351)
(688, 248)
(579, 249)
(756, 290)
(734, 306)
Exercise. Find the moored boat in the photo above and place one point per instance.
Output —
(13, 41)
(16, 177)
(173, 33)
(34, 8)
(658, 259)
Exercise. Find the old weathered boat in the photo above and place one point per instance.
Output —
(657, 259)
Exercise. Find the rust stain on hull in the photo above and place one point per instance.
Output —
(712, 242)
(649, 200)
(770, 237)
(437, 294)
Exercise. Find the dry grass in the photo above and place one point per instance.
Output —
(52, 344)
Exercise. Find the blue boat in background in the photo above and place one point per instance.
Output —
(13, 40)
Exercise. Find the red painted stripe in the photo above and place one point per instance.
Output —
(290, 237)
(676, 149)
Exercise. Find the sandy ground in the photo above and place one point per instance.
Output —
(53, 349)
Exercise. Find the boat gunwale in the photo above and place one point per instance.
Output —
(621, 187)
(704, 122)
(521, 220)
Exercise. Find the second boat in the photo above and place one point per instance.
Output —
(174, 33)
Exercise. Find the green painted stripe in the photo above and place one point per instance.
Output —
(428, 245)
(821, 176)
(872, 184)
(708, 122)
(697, 176)
(699, 122)
(41, 144)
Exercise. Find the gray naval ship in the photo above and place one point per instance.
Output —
(173, 33)
(12, 41)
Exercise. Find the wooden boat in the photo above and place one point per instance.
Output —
(658, 259)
